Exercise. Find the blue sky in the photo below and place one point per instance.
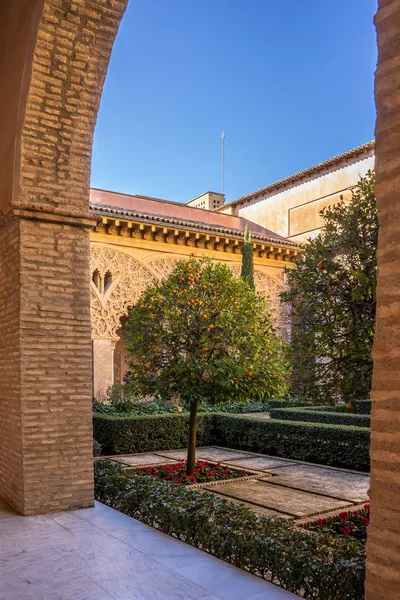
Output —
(289, 81)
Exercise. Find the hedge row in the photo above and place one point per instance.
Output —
(313, 416)
(312, 564)
(325, 444)
(362, 407)
(149, 433)
(335, 445)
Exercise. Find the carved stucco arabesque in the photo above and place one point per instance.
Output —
(130, 277)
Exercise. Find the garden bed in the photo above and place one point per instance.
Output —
(204, 472)
(353, 523)
(312, 564)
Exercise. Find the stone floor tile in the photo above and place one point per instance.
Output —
(289, 501)
(66, 556)
(134, 460)
(23, 589)
(274, 593)
(224, 580)
(213, 453)
(352, 487)
(259, 463)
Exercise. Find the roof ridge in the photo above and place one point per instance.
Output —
(300, 174)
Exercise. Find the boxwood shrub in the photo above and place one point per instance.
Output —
(336, 445)
(363, 406)
(149, 433)
(314, 416)
(312, 564)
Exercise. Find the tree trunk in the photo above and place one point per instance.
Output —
(191, 454)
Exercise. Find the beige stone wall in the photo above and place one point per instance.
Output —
(383, 548)
(294, 211)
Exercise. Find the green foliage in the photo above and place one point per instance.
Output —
(155, 407)
(122, 397)
(363, 406)
(96, 448)
(126, 435)
(312, 564)
(313, 416)
(247, 272)
(332, 292)
(334, 445)
(201, 334)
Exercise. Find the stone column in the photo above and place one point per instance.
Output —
(383, 547)
(45, 363)
(103, 366)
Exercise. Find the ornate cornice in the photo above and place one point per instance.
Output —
(164, 230)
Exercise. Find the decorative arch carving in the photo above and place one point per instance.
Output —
(162, 267)
(117, 281)
(129, 278)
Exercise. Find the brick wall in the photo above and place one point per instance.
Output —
(45, 363)
(383, 549)
(11, 480)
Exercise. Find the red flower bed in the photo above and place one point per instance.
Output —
(203, 472)
(347, 523)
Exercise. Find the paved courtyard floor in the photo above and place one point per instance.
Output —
(101, 554)
(286, 488)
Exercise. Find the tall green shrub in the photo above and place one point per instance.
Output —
(332, 294)
(247, 272)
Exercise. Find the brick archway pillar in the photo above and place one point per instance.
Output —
(383, 548)
(54, 56)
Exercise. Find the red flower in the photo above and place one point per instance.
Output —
(321, 522)
(367, 506)
(343, 516)
(366, 520)
(345, 530)
(191, 478)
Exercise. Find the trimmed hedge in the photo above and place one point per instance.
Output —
(149, 433)
(363, 406)
(313, 416)
(325, 444)
(335, 445)
(315, 565)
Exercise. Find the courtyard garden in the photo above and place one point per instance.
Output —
(231, 440)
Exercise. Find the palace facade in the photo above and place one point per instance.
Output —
(137, 240)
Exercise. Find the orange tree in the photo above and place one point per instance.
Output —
(202, 334)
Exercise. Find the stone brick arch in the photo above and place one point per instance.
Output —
(54, 56)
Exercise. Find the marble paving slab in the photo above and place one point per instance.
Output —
(141, 459)
(259, 463)
(289, 501)
(101, 554)
(339, 484)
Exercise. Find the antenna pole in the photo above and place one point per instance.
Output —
(223, 162)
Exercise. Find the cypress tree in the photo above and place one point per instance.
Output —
(247, 272)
